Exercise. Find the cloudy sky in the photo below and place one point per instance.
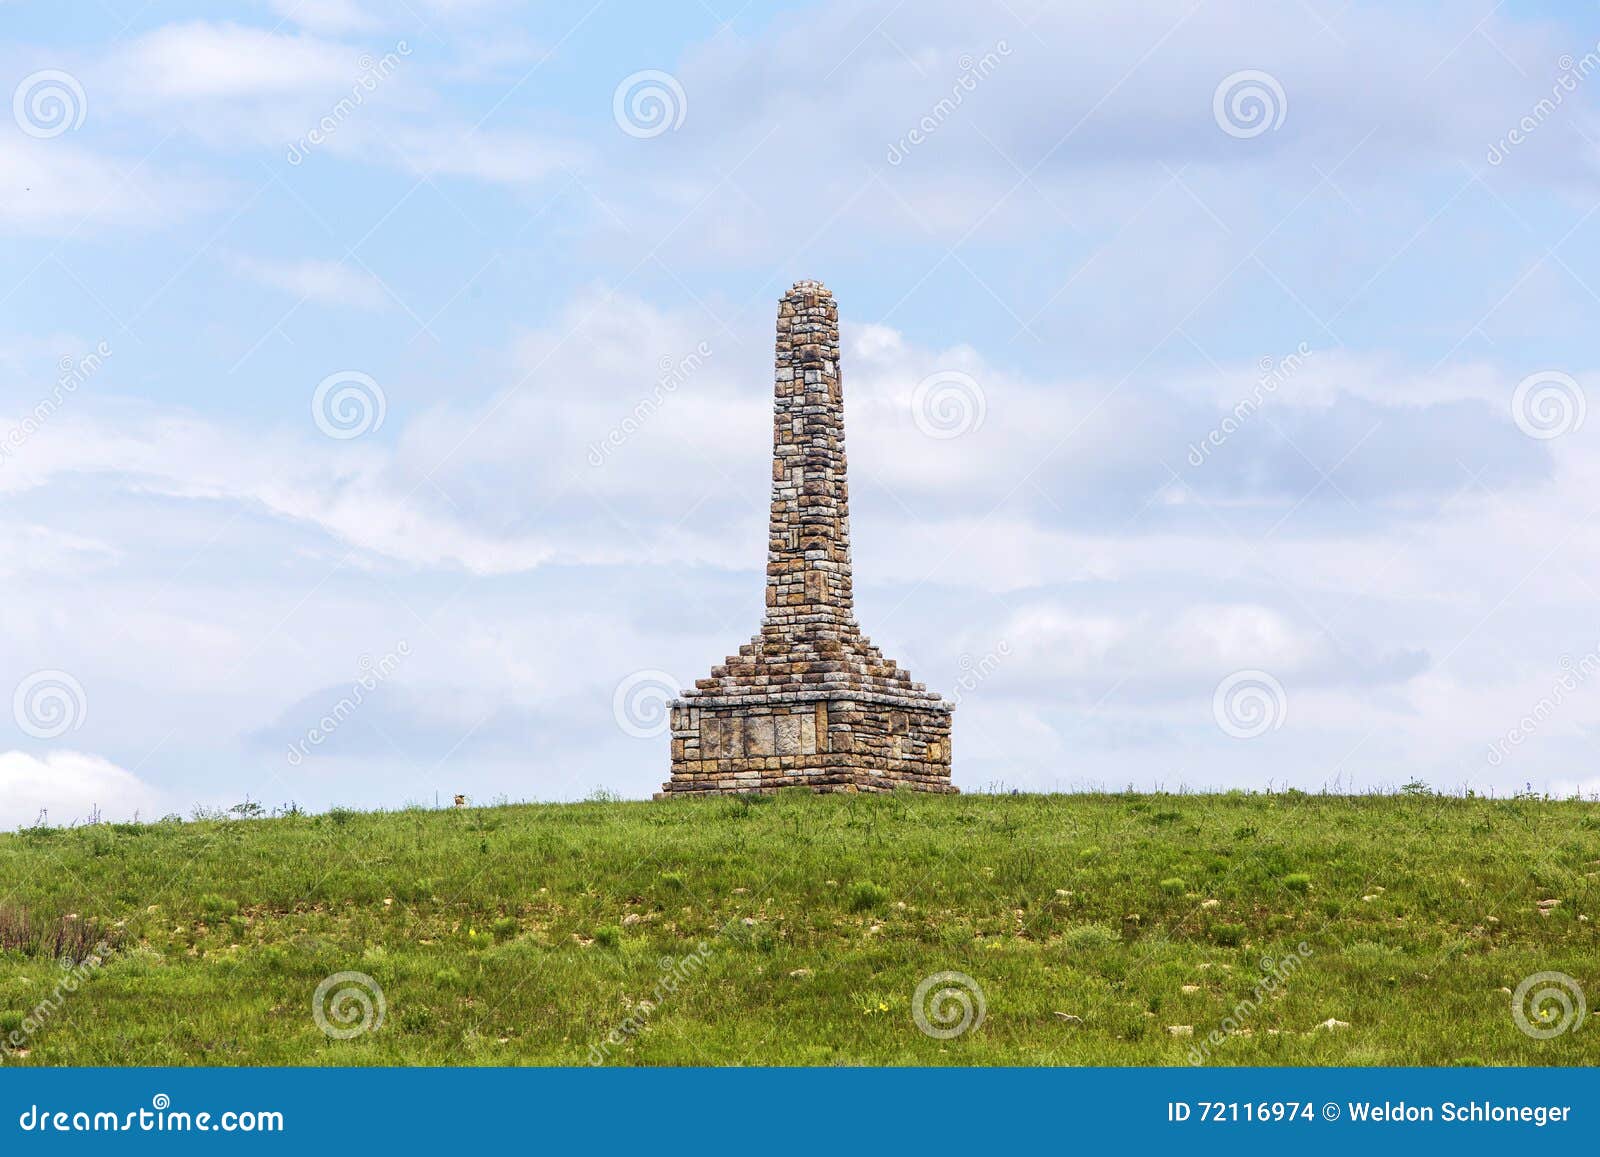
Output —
(384, 387)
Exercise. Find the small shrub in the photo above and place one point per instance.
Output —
(214, 905)
(1297, 882)
(505, 928)
(1091, 937)
(1173, 886)
(673, 880)
(608, 936)
(10, 1022)
(61, 938)
(865, 895)
(1228, 935)
(416, 1018)
(340, 815)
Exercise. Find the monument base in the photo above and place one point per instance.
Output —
(733, 745)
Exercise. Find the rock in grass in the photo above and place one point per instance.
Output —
(1331, 1024)
(1181, 1029)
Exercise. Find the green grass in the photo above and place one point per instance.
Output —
(796, 929)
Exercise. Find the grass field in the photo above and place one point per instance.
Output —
(1099, 929)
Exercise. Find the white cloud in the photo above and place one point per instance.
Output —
(46, 550)
(328, 16)
(70, 785)
(57, 187)
(233, 86)
(200, 60)
(332, 283)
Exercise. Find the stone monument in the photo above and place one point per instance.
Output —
(809, 701)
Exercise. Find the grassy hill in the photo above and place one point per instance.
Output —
(1104, 929)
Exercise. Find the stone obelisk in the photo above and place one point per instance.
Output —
(809, 701)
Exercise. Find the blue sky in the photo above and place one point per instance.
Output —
(1164, 408)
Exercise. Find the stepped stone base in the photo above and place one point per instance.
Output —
(872, 742)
